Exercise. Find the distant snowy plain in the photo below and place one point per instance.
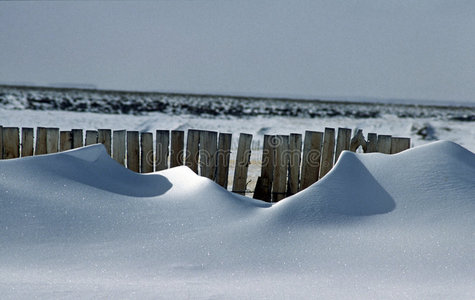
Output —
(90, 109)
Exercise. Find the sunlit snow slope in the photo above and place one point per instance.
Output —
(77, 224)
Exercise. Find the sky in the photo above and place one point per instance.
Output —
(415, 50)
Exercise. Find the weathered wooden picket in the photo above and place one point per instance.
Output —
(289, 163)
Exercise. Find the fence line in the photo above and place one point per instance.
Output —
(289, 163)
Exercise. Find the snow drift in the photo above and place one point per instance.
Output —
(77, 224)
(423, 179)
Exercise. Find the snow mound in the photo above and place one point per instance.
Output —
(63, 190)
(77, 224)
(423, 178)
(90, 166)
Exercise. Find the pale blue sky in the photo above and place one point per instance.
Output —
(385, 49)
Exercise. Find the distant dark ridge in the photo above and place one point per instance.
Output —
(92, 88)
(137, 103)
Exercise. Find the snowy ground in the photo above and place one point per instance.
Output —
(421, 130)
(78, 225)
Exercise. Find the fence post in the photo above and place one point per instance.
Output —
(279, 183)
(372, 145)
(177, 147)
(27, 142)
(91, 137)
(208, 149)
(133, 151)
(243, 157)
(223, 155)
(11, 142)
(343, 141)
(384, 144)
(263, 189)
(399, 144)
(192, 149)
(162, 145)
(78, 139)
(65, 140)
(327, 151)
(52, 140)
(295, 152)
(312, 152)
(118, 150)
(146, 152)
(40, 141)
(104, 137)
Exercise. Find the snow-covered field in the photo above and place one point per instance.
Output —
(421, 130)
(32, 107)
(78, 225)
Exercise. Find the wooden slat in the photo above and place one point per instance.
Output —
(279, 183)
(11, 142)
(162, 149)
(52, 140)
(384, 144)
(40, 147)
(27, 142)
(399, 144)
(263, 189)
(222, 159)
(312, 152)
(372, 145)
(146, 152)
(267, 166)
(295, 154)
(192, 150)
(343, 141)
(177, 148)
(203, 157)
(328, 151)
(78, 138)
(118, 149)
(133, 151)
(91, 137)
(242, 163)
(208, 149)
(65, 140)
(104, 137)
